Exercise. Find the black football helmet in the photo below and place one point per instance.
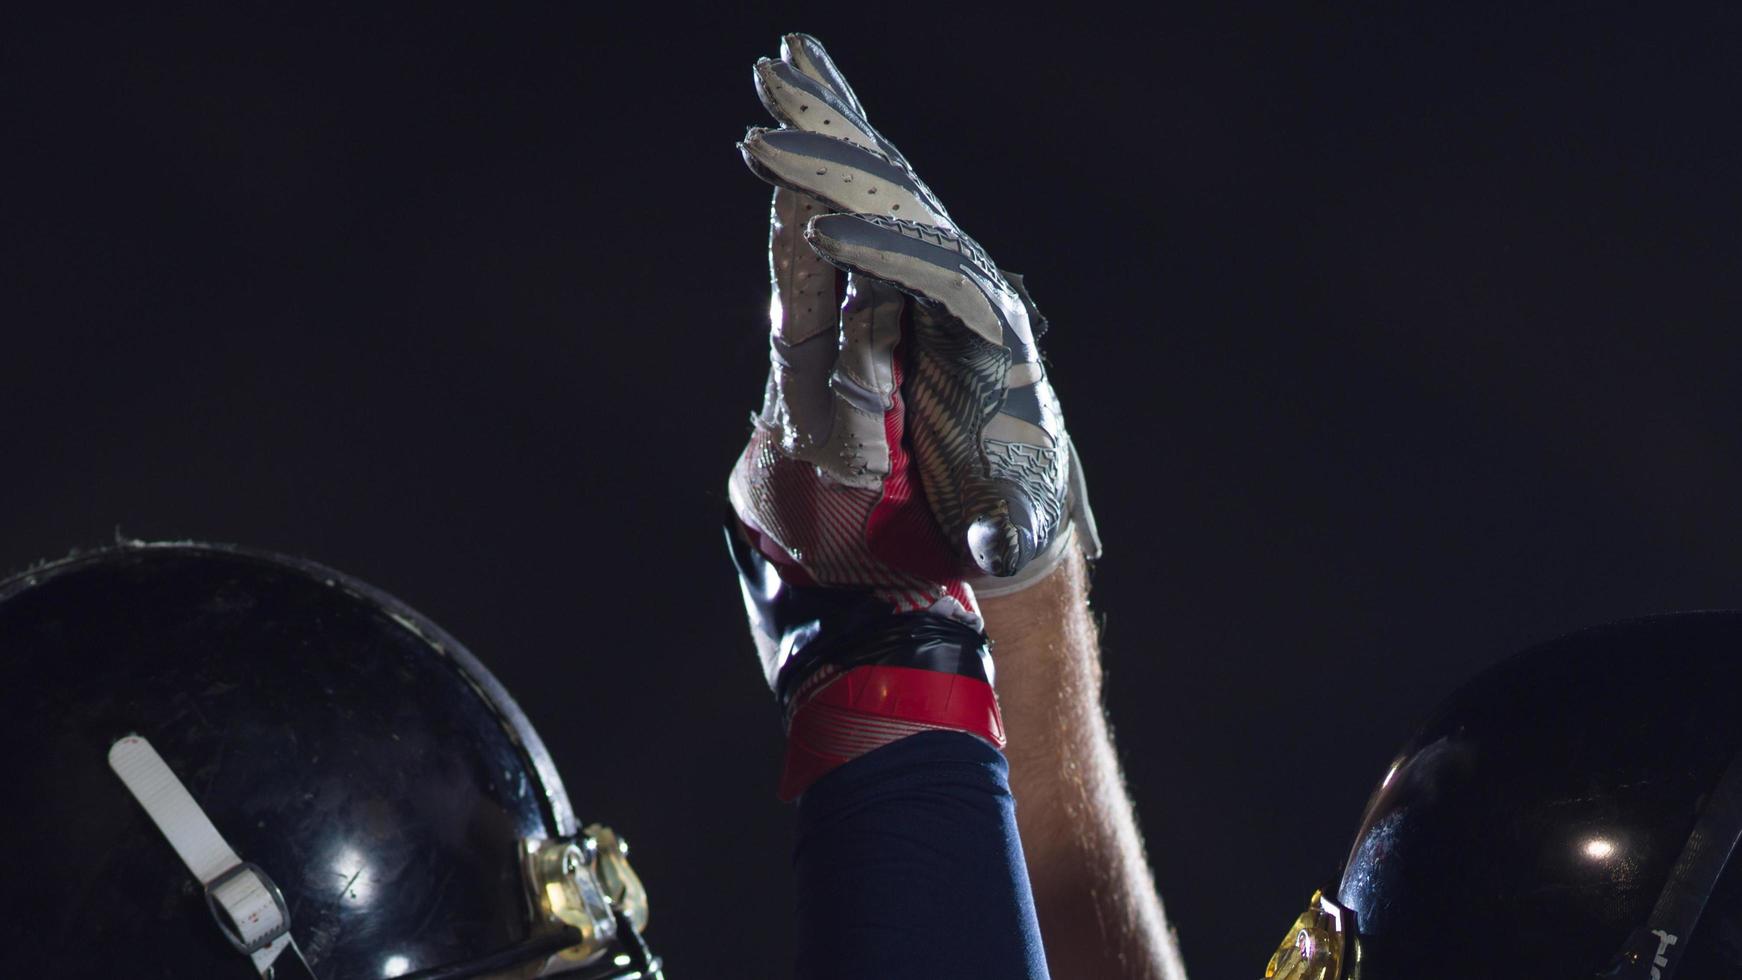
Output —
(226, 763)
(1569, 814)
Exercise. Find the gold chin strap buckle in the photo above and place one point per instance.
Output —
(1315, 946)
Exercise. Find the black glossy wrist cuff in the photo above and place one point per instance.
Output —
(806, 627)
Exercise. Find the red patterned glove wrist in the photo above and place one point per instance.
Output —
(852, 674)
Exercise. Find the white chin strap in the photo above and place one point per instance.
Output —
(258, 923)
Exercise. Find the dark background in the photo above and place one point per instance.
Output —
(1392, 343)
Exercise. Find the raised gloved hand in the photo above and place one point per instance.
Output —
(945, 362)
(910, 450)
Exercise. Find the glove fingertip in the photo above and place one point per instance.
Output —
(808, 55)
(998, 546)
(754, 149)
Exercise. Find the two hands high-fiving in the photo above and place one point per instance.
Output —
(909, 443)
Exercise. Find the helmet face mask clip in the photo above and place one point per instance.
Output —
(1317, 946)
(586, 885)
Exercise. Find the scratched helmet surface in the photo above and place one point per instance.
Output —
(336, 739)
(1531, 827)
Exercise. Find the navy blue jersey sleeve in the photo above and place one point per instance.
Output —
(909, 866)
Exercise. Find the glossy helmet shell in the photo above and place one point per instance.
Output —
(1531, 824)
(337, 739)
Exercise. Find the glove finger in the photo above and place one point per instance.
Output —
(988, 440)
(802, 102)
(804, 90)
(1019, 506)
(986, 425)
(937, 266)
(803, 327)
(805, 286)
(806, 53)
(845, 176)
(862, 387)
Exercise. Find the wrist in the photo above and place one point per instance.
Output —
(865, 684)
(853, 674)
(1015, 617)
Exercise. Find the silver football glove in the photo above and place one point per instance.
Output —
(926, 311)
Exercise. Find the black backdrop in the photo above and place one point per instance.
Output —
(1392, 345)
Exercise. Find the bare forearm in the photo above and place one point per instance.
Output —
(1100, 915)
